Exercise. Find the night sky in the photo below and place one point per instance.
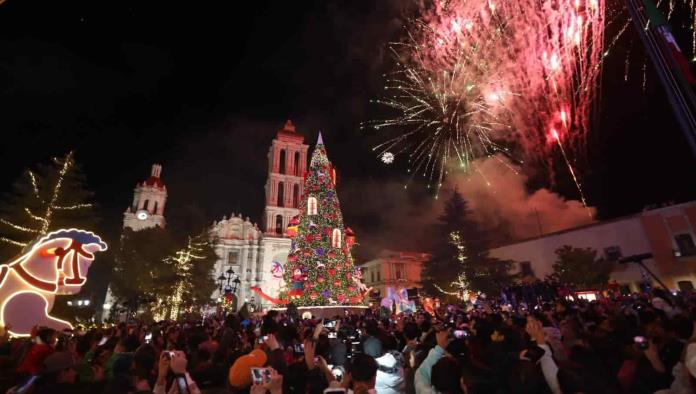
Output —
(203, 88)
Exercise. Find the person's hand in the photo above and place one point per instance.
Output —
(442, 338)
(257, 388)
(164, 363)
(309, 354)
(97, 373)
(317, 330)
(275, 385)
(179, 362)
(142, 385)
(322, 363)
(535, 330)
(651, 353)
(272, 342)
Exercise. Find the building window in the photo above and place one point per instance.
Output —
(372, 276)
(612, 253)
(281, 194)
(336, 238)
(296, 196)
(154, 209)
(145, 204)
(281, 167)
(312, 206)
(279, 224)
(297, 163)
(399, 271)
(379, 276)
(685, 245)
(526, 269)
(685, 285)
(233, 258)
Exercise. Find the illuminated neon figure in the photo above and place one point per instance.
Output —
(56, 265)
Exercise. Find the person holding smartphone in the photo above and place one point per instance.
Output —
(174, 361)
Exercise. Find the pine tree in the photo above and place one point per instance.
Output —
(460, 260)
(52, 197)
(320, 268)
(580, 267)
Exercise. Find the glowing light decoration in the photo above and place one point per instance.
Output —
(479, 78)
(56, 264)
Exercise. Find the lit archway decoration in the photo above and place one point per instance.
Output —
(57, 264)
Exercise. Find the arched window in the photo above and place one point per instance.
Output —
(296, 196)
(281, 166)
(312, 206)
(279, 224)
(281, 194)
(154, 209)
(336, 238)
(297, 163)
(145, 204)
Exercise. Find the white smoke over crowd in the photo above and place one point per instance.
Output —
(386, 215)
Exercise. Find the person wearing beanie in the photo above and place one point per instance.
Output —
(240, 372)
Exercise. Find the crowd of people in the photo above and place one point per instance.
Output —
(643, 343)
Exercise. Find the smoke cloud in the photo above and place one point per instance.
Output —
(499, 200)
(387, 216)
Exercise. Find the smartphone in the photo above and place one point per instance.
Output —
(169, 354)
(260, 375)
(299, 348)
(148, 338)
(460, 334)
(103, 341)
(333, 335)
(182, 384)
(262, 339)
(642, 342)
(534, 353)
(337, 371)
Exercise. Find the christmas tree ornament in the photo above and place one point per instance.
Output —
(326, 293)
(313, 295)
(320, 279)
(331, 271)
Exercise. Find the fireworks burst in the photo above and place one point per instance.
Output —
(475, 78)
(387, 157)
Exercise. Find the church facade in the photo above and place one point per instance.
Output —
(258, 255)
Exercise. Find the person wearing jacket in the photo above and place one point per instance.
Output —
(390, 373)
(423, 376)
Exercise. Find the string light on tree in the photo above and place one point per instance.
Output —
(40, 199)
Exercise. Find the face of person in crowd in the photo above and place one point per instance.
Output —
(497, 337)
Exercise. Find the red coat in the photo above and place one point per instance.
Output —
(32, 362)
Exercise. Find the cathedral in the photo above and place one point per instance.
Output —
(257, 255)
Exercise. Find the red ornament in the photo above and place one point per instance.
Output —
(337, 283)
(351, 289)
(331, 254)
(313, 295)
(356, 300)
(306, 253)
(317, 237)
(292, 258)
(331, 271)
(308, 285)
(341, 297)
(320, 279)
(348, 276)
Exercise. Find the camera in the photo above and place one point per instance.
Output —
(299, 348)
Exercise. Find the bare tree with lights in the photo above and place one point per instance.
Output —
(47, 198)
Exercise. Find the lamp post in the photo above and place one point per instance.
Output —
(226, 285)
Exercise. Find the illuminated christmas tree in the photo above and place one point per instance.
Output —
(320, 267)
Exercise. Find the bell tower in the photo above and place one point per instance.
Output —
(287, 164)
(149, 197)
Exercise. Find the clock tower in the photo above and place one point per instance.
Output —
(149, 198)
(287, 164)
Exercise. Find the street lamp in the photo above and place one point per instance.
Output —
(226, 285)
